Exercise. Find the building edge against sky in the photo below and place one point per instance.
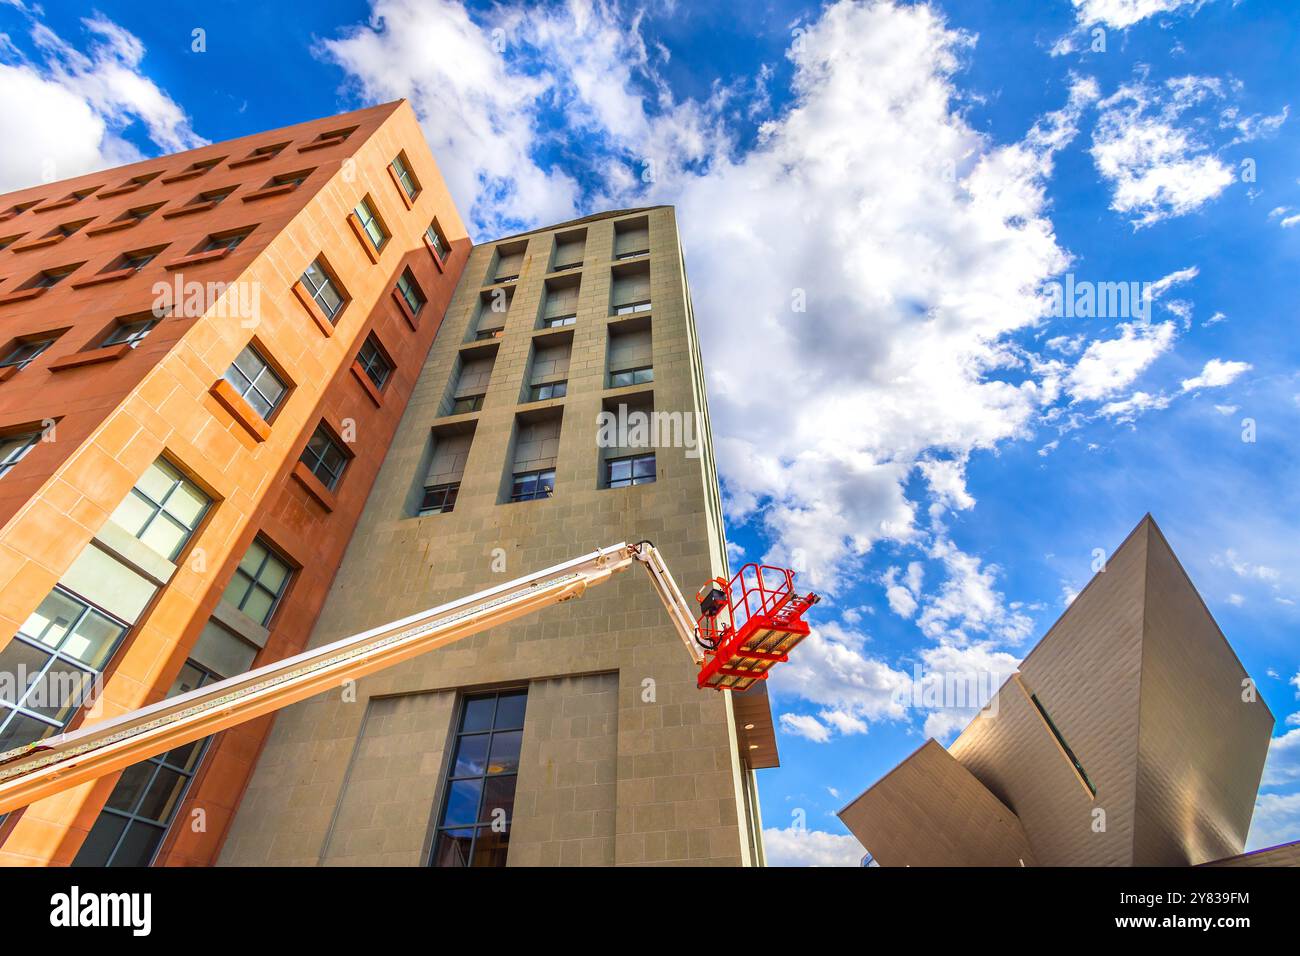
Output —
(160, 456)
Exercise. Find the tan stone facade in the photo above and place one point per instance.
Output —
(623, 759)
(1128, 737)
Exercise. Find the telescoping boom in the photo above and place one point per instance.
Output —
(746, 626)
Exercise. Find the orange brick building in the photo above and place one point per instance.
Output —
(203, 359)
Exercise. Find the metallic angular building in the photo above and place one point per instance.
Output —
(1130, 736)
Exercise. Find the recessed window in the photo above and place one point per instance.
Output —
(411, 291)
(146, 798)
(479, 802)
(438, 499)
(437, 242)
(49, 278)
(259, 583)
(224, 241)
(633, 470)
(558, 321)
(26, 351)
(7, 241)
(68, 229)
(325, 457)
(214, 196)
(129, 332)
(529, 485)
(163, 509)
(266, 152)
(374, 362)
(135, 260)
(61, 650)
(290, 179)
(540, 393)
(633, 307)
(466, 404)
(21, 207)
(405, 177)
(483, 334)
(333, 136)
(139, 213)
(13, 448)
(256, 381)
(631, 376)
(371, 225)
(321, 286)
(202, 166)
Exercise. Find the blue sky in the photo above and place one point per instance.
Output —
(934, 449)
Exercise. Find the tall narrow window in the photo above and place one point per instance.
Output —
(144, 802)
(60, 651)
(479, 793)
(405, 178)
(256, 381)
(411, 291)
(325, 457)
(259, 583)
(1060, 739)
(374, 362)
(323, 290)
(371, 225)
(436, 240)
(163, 509)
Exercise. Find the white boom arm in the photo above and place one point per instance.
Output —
(57, 763)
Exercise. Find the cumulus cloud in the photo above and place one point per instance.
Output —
(1128, 409)
(805, 725)
(1216, 374)
(1122, 14)
(1108, 365)
(1276, 820)
(968, 603)
(69, 111)
(795, 846)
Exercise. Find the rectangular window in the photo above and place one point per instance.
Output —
(13, 448)
(214, 196)
(466, 403)
(371, 225)
(140, 213)
(135, 260)
(374, 362)
(59, 652)
(290, 179)
(411, 291)
(259, 583)
(558, 321)
(631, 376)
(1078, 767)
(540, 393)
(49, 278)
(321, 286)
(131, 332)
(163, 509)
(23, 353)
(436, 240)
(402, 170)
(633, 470)
(324, 457)
(224, 241)
(530, 485)
(256, 381)
(479, 792)
(483, 334)
(438, 499)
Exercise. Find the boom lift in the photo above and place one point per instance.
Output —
(746, 626)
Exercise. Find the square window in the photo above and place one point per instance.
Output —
(374, 362)
(325, 457)
(320, 284)
(405, 177)
(256, 382)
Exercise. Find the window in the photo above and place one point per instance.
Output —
(631, 307)
(163, 509)
(256, 381)
(224, 242)
(540, 393)
(438, 499)
(324, 457)
(480, 786)
(632, 376)
(1078, 767)
(374, 362)
(530, 485)
(8, 241)
(136, 260)
(131, 332)
(14, 447)
(201, 167)
(50, 277)
(67, 229)
(558, 321)
(289, 179)
(405, 178)
(331, 138)
(58, 653)
(482, 334)
(321, 286)
(139, 213)
(634, 470)
(259, 583)
(436, 241)
(213, 196)
(24, 353)
(371, 225)
(263, 152)
(410, 291)
(19, 208)
(147, 796)
(466, 403)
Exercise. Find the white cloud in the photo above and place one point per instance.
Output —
(69, 113)
(1245, 569)
(1121, 14)
(1108, 365)
(1128, 409)
(901, 593)
(1237, 600)
(805, 725)
(1276, 820)
(1178, 277)
(979, 669)
(795, 846)
(1283, 764)
(1156, 165)
(1216, 374)
(968, 602)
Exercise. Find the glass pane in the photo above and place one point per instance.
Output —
(253, 558)
(134, 779)
(510, 711)
(258, 605)
(185, 757)
(491, 847)
(453, 848)
(162, 795)
(271, 387)
(249, 363)
(51, 620)
(61, 690)
(273, 575)
(98, 845)
(462, 802)
(330, 299)
(138, 846)
(187, 503)
(499, 794)
(21, 730)
(258, 403)
(471, 756)
(478, 713)
(156, 481)
(190, 678)
(236, 589)
(505, 752)
(94, 641)
(643, 466)
(165, 536)
(133, 513)
(619, 470)
(21, 664)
